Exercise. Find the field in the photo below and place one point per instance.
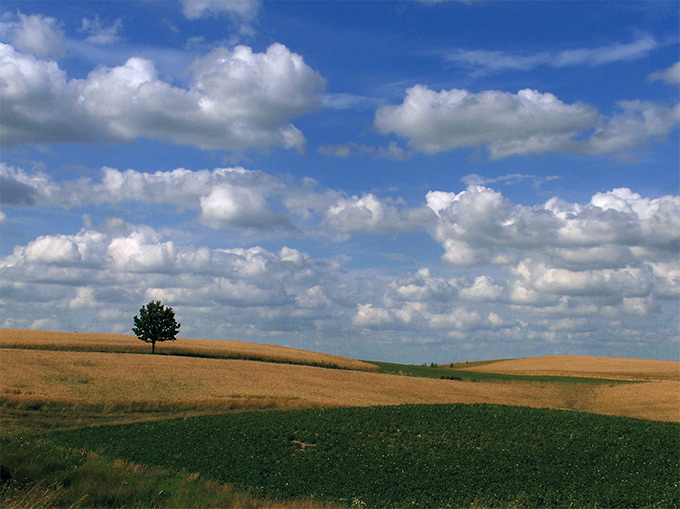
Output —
(121, 343)
(416, 455)
(60, 381)
(582, 366)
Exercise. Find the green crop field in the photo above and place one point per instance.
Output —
(413, 455)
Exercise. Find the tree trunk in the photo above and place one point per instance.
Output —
(153, 347)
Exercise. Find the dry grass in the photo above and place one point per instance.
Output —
(143, 383)
(121, 343)
(615, 368)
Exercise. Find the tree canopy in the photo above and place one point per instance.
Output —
(155, 323)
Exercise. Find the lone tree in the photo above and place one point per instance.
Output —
(155, 323)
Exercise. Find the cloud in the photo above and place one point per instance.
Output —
(15, 192)
(535, 275)
(670, 75)
(391, 151)
(617, 52)
(227, 206)
(483, 289)
(485, 60)
(58, 250)
(420, 287)
(38, 34)
(243, 13)
(180, 187)
(119, 270)
(529, 122)
(258, 91)
(627, 281)
(39, 104)
(194, 9)
(236, 100)
(620, 217)
(475, 226)
(370, 214)
(84, 298)
(480, 226)
(368, 316)
(526, 122)
(346, 101)
(142, 251)
(100, 33)
(225, 197)
(635, 125)
(510, 179)
(496, 61)
(44, 324)
(233, 198)
(459, 318)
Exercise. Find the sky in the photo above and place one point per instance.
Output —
(406, 181)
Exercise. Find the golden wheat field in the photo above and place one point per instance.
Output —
(616, 368)
(34, 376)
(122, 343)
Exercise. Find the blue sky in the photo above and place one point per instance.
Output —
(405, 181)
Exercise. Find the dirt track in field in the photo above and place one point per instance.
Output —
(134, 382)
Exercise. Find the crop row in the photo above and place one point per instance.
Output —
(415, 455)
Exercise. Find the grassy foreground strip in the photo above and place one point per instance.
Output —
(413, 455)
(44, 475)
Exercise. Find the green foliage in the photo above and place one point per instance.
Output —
(44, 475)
(155, 323)
(415, 455)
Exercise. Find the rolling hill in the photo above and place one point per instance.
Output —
(117, 375)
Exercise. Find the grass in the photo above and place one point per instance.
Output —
(45, 475)
(413, 455)
(448, 373)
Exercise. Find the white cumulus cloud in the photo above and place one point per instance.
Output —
(226, 206)
(370, 213)
(38, 34)
(59, 250)
(529, 122)
(237, 100)
(39, 103)
(479, 225)
(522, 123)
